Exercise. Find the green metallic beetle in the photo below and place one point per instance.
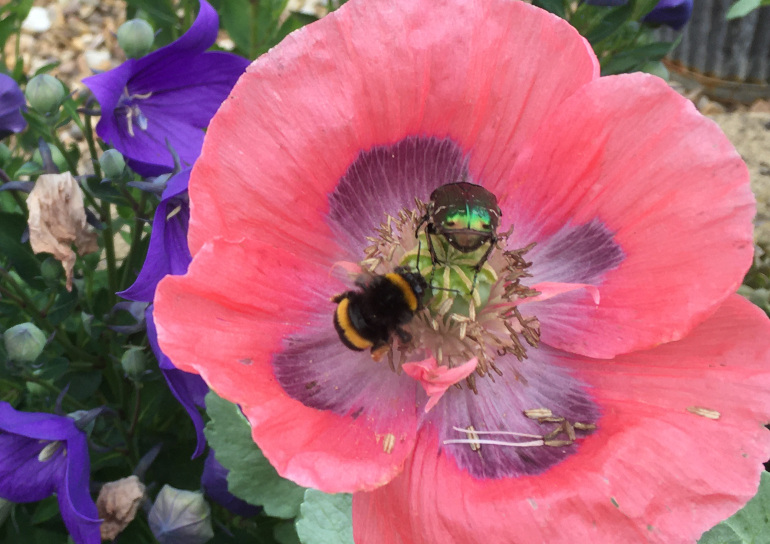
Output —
(467, 215)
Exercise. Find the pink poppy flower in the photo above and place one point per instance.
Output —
(621, 385)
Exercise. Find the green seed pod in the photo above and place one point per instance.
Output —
(45, 93)
(24, 343)
(135, 37)
(133, 362)
(112, 163)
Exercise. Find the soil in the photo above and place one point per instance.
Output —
(82, 39)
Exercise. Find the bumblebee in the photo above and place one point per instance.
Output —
(368, 318)
(466, 215)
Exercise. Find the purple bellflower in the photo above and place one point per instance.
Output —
(673, 13)
(41, 454)
(214, 484)
(166, 97)
(168, 254)
(11, 104)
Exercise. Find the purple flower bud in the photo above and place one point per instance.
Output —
(180, 517)
(135, 38)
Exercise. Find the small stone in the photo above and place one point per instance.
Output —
(98, 60)
(37, 21)
(760, 106)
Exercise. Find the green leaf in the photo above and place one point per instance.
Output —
(45, 510)
(750, 525)
(633, 59)
(237, 18)
(610, 23)
(554, 6)
(741, 8)
(19, 255)
(285, 533)
(251, 477)
(325, 519)
(294, 21)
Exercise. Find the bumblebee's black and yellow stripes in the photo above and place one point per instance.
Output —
(368, 318)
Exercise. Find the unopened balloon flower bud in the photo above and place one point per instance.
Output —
(135, 37)
(24, 343)
(133, 363)
(180, 517)
(50, 270)
(112, 163)
(45, 93)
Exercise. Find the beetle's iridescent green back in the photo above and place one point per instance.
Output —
(464, 206)
(466, 214)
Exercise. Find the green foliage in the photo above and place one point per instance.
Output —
(621, 41)
(750, 525)
(252, 477)
(741, 8)
(325, 519)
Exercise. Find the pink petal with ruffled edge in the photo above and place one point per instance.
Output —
(373, 73)
(665, 181)
(654, 471)
(229, 331)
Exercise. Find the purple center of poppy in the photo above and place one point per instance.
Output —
(520, 412)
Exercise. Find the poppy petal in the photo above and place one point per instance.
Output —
(657, 469)
(368, 75)
(668, 186)
(230, 331)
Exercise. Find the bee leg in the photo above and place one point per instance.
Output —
(404, 336)
(379, 350)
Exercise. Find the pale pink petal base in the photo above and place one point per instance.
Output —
(657, 469)
(228, 329)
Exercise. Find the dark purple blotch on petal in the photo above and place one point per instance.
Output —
(189, 389)
(166, 97)
(168, 252)
(387, 179)
(214, 484)
(12, 103)
(316, 369)
(575, 254)
(535, 382)
(44, 453)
